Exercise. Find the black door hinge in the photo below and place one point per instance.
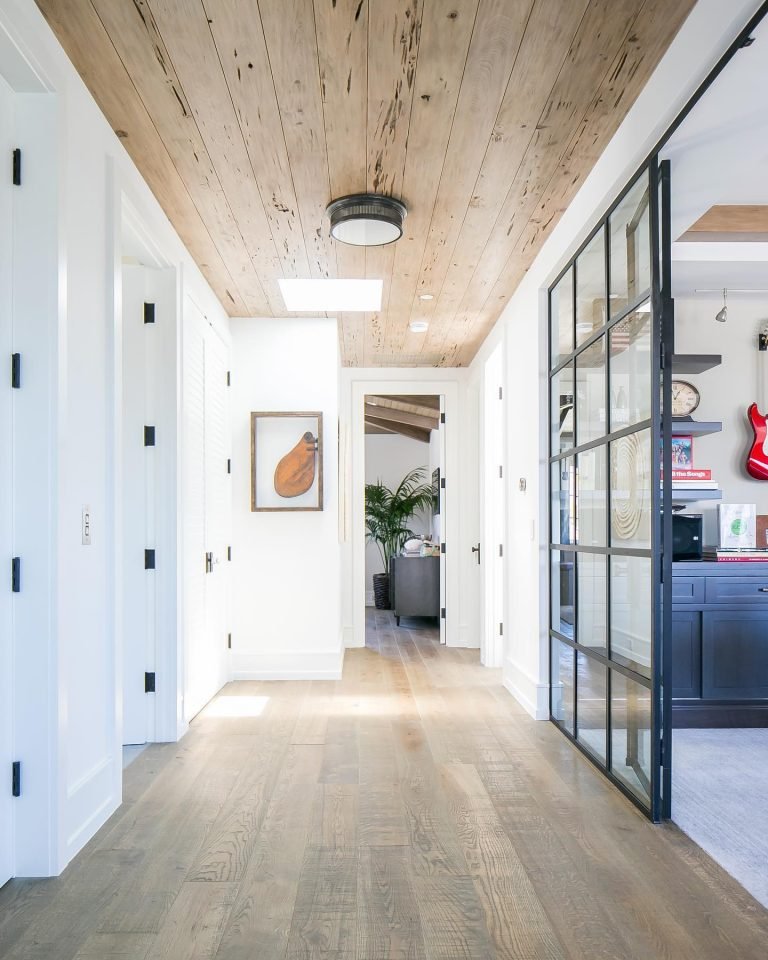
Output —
(501, 629)
(149, 559)
(149, 682)
(442, 418)
(16, 371)
(229, 378)
(442, 483)
(149, 313)
(442, 548)
(17, 167)
(149, 436)
(229, 465)
(229, 641)
(501, 549)
(501, 393)
(662, 355)
(229, 553)
(501, 472)
(16, 778)
(16, 575)
(442, 613)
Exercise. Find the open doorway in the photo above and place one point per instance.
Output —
(405, 509)
(719, 640)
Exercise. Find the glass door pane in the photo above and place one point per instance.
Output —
(608, 315)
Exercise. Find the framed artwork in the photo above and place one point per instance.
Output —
(286, 461)
(682, 452)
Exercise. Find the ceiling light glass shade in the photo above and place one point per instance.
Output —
(321, 296)
(366, 219)
(419, 326)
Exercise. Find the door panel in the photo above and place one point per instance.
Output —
(206, 510)
(137, 627)
(609, 312)
(6, 510)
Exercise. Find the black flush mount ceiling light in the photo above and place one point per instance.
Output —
(366, 219)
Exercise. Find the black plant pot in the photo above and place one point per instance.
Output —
(381, 591)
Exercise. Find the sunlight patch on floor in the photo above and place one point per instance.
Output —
(227, 706)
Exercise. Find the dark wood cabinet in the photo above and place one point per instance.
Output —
(415, 587)
(686, 654)
(720, 644)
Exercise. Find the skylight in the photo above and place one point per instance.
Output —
(348, 296)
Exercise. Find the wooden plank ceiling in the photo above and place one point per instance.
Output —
(412, 416)
(246, 117)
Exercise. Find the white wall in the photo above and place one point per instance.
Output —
(388, 458)
(522, 327)
(67, 708)
(285, 566)
(726, 392)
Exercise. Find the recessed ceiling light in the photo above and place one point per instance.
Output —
(426, 296)
(419, 326)
(348, 296)
(366, 219)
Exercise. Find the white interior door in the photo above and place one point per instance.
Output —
(494, 497)
(218, 494)
(206, 510)
(444, 507)
(138, 623)
(6, 509)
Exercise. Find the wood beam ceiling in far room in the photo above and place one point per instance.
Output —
(483, 116)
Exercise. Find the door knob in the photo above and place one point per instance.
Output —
(477, 551)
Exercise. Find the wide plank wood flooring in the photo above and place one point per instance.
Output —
(411, 810)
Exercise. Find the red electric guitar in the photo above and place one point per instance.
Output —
(757, 458)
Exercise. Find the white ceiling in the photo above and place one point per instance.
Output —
(719, 155)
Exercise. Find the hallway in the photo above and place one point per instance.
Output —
(411, 810)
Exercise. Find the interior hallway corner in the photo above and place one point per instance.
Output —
(409, 810)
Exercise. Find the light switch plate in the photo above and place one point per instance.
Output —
(86, 526)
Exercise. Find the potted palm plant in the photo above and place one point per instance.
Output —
(387, 514)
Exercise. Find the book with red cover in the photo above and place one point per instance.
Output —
(691, 474)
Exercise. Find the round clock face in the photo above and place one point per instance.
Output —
(685, 398)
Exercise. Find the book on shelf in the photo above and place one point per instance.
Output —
(691, 475)
(745, 555)
(695, 485)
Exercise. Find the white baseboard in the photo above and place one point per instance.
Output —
(90, 803)
(532, 695)
(288, 665)
(468, 638)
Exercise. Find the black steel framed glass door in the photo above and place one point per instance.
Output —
(609, 313)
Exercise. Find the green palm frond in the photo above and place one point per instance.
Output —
(387, 512)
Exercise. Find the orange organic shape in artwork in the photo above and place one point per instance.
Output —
(295, 473)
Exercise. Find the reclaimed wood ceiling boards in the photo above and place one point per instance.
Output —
(246, 117)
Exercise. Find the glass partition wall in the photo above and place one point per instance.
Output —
(605, 317)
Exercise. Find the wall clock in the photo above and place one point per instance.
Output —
(685, 398)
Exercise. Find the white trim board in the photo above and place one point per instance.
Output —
(288, 665)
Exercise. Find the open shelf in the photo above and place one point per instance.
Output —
(695, 428)
(695, 362)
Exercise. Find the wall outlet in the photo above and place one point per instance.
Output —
(86, 526)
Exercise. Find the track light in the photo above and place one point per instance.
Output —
(722, 315)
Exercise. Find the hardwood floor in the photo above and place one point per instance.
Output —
(411, 810)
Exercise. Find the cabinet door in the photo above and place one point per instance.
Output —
(734, 654)
(686, 654)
